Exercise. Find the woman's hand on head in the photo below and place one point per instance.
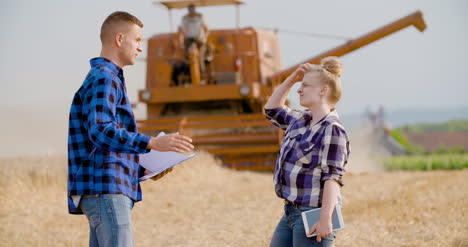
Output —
(278, 98)
(298, 74)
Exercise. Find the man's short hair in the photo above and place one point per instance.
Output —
(115, 19)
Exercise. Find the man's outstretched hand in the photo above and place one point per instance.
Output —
(171, 142)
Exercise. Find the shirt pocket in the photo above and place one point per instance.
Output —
(308, 156)
(308, 153)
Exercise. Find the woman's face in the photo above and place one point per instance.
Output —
(312, 91)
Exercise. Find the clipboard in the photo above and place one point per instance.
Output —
(157, 161)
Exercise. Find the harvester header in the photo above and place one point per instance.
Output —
(415, 19)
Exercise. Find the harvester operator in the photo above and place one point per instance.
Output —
(193, 30)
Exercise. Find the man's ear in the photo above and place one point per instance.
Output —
(119, 37)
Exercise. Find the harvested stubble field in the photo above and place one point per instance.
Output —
(202, 204)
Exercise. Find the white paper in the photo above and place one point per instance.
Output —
(157, 162)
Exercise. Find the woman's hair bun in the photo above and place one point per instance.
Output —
(332, 65)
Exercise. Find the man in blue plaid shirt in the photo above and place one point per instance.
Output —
(103, 140)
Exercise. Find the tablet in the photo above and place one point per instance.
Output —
(310, 217)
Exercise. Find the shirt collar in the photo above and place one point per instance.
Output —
(104, 62)
(305, 128)
(330, 117)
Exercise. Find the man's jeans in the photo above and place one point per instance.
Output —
(290, 230)
(110, 221)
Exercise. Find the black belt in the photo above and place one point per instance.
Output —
(86, 196)
(286, 202)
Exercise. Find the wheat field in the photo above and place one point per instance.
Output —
(203, 204)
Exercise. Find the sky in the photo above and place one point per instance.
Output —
(46, 46)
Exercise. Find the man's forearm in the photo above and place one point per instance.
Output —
(330, 195)
(111, 137)
(207, 33)
(181, 36)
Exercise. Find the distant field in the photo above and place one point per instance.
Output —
(427, 162)
(202, 204)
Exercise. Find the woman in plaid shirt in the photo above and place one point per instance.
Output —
(314, 151)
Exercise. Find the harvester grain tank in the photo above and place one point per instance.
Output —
(225, 117)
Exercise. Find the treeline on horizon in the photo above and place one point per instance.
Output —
(418, 158)
(450, 126)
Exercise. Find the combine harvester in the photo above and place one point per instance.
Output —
(225, 118)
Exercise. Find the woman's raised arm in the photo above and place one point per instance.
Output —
(278, 97)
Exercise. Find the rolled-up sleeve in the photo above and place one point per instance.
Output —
(335, 152)
(282, 116)
(103, 131)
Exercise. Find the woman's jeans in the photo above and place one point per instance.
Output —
(290, 230)
(110, 222)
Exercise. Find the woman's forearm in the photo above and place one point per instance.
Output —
(278, 97)
(330, 195)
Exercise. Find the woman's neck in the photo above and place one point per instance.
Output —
(319, 112)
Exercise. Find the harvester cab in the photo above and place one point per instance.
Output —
(222, 110)
(241, 61)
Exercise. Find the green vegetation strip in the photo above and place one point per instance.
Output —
(451, 126)
(427, 162)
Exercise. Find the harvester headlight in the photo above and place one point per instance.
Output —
(146, 95)
(244, 90)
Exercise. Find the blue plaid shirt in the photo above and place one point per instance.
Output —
(103, 140)
(309, 155)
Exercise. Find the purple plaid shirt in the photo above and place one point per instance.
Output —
(309, 155)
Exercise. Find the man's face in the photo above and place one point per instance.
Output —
(191, 9)
(131, 45)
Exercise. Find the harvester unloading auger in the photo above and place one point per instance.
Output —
(225, 117)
